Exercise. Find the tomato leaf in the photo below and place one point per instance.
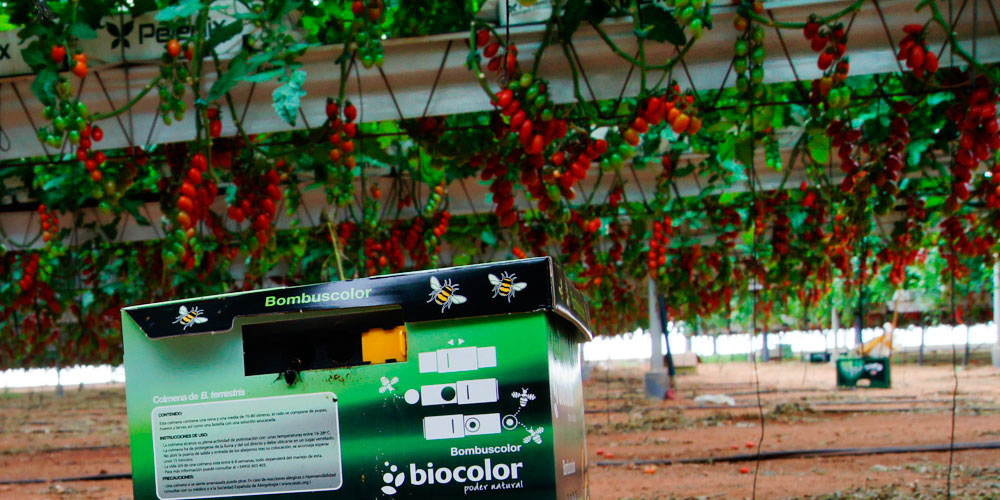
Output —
(288, 97)
(916, 149)
(234, 73)
(82, 31)
(140, 7)
(264, 76)
(186, 8)
(571, 18)
(44, 86)
(34, 56)
(220, 35)
(819, 147)
(488, 237)
(598, 11)
(660, 25)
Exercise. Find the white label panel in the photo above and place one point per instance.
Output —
(247, 447)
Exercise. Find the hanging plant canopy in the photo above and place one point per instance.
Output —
(795, 159)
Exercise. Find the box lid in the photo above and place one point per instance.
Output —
(508, 287)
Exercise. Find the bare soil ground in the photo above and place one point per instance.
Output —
(85, 433)
(802, 409)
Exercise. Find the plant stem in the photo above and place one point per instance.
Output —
(822, 20)
(115, 112)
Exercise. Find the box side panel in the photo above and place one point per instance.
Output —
(496, 423)
(566, 387)
(458, 417)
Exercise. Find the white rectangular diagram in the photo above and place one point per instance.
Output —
(460, 426)
(485, 390)
(458, 359)
(463, 392)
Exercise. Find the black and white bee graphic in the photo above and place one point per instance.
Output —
(189, 317)
(444, 295)
(534, 435)
(387, 384)
(523, 397)
(506, 285)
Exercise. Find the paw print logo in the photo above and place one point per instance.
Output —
(392, 479)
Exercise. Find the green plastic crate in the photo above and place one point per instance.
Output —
(875, 370)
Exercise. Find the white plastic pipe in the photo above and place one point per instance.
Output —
(996, 312)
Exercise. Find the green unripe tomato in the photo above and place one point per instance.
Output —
(540, 100)
(740, 47)
(526, 80)
(758, 55)
(74, 137)
(49, 112)
(833, 98)
(60, 124)
(697, 29)
(617, 161)
(54, 140)
(740, 65)
(757, 34)
(532, 91)
(685, 15)
(742, 83)
(546, 114)
(82, 110)
(757, 75)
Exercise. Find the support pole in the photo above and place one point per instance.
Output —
(765, 353)
(655, 331)
(920, 354)
(835, 326)
(996, 311)
(657, 381)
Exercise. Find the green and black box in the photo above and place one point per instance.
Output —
(453, 383)
(874, 370)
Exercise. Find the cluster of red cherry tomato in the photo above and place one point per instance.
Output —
(913, 50)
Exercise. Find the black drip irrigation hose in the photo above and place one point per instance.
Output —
(807, 453)
(743, 457)
(808, 406)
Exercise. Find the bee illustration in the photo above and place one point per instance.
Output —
(524, 396)
(534, 435)
(505, 285)
(444, 295)
(188, 318)
(387, 384)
